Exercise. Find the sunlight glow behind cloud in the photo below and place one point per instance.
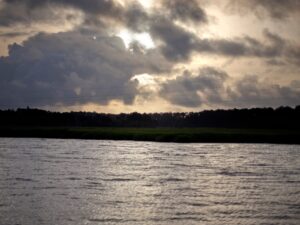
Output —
(146, 3)
(142, 38)
(129, 55)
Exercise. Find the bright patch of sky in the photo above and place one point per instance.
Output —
(142, 38)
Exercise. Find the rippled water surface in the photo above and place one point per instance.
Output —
(44, 181)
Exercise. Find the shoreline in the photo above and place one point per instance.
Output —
(176, 135)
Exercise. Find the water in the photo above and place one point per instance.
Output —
(76, 182)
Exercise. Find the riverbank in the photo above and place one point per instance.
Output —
(180, 135)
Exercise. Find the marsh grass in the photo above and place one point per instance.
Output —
(184, 135)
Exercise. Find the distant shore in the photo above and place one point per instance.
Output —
(179, 135)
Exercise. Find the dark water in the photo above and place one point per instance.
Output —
(45, 181)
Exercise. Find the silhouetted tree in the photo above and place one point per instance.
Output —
(282, 117)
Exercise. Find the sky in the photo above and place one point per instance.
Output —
(116, 56)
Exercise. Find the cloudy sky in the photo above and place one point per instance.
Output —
(149, 55)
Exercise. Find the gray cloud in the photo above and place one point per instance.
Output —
(72, 67)
(13, 13)
(186, 11)
(247, 46)
(13, 34)
(275, 62)
(251, 92)
(28, 11)
(277, 9)
(209, 87)
(177, 43)
(136, 18)
(194, 90)
(293, 55)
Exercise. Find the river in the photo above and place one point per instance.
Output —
(77, 182)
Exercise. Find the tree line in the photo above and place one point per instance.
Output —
(283, 117)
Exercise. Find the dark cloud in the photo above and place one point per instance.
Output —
(274, 47)
(72, 67)
(247, 46)
(13, 34)
(251, 92)
(277, 9)
(18, 12)
(194, 90)
(209, 87)
(177, 43)
(88, 65)
(232, 48)
(15, 12)
(293, 55)
(103, 7)
(185, 11)
(136, 18)
(275, 62)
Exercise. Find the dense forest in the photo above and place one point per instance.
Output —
(282, 117)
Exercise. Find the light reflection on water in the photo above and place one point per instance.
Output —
(44, 181)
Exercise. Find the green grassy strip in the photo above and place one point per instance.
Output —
(184, 135)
